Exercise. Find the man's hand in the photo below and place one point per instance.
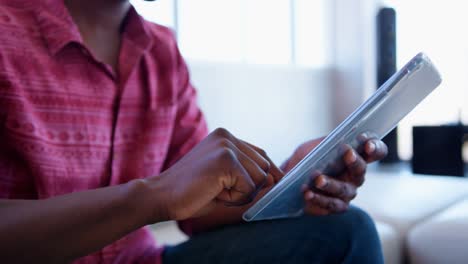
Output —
(331, 194)
(221, 169)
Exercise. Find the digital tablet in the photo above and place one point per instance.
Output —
(376, 117)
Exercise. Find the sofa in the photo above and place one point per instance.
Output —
(419, 218)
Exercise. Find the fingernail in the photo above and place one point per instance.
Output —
(352, 158)
(321, 182)
(371, 147)
(309, 195)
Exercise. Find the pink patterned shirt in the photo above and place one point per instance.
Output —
(68, 123)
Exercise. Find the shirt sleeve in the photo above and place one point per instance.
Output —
(190, 126)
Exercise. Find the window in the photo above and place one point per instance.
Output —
(281, 32)
(211, 30)
(437, 28)
(161, 11)
(311, 33)
(267, 27)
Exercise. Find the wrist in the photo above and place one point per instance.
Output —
(146, 194)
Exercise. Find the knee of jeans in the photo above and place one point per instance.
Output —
(359, 221)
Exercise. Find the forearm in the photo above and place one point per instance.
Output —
(66, 227)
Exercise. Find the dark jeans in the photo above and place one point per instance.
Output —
(350, 237)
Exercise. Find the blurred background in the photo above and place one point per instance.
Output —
(279, 72)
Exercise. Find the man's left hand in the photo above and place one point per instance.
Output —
(332, 194)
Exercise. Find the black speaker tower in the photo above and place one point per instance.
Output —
(386, 67)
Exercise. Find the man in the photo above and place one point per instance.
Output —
(101, 136)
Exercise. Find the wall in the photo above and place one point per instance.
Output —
(354, 54)
(278, 107)
(274, 107)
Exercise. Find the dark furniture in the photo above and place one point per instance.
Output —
(437, 150)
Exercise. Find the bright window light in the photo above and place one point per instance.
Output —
(437, 28)
(312, 32)
(267, 26)
(211, 30)
(251, 31)
(161, 11)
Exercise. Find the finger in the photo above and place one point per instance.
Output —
(335, 188)
(330, 204)
(253, 154)
(362, 139)
(312, 209)
(270, 181)
(258, 174)
(374, 150)
(246, 149)
(311, 183)
(276, 172)
(239, 188)
(337, 167)
(356, 167)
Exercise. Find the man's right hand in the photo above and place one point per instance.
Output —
(221, 169)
